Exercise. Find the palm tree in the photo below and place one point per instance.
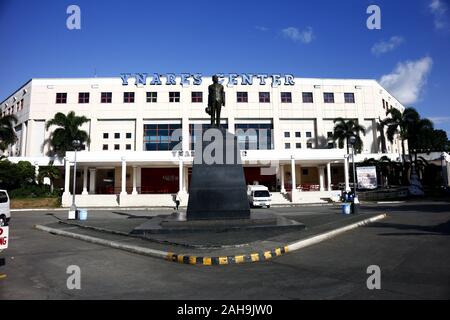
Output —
(344, 129)
(68, 130)
(50, 172)
(381, 125)
(7, 132)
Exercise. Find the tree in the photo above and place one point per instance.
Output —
(382, 124)
(50, 172)
(7, 132)
(68, 130)
(344, 129)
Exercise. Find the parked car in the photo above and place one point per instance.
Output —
(5, 213)
(258, 196)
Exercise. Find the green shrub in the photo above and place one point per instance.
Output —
(33, 191)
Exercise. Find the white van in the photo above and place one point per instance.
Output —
(258, 196)
(5, 213)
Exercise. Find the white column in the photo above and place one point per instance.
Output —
(92, 184)
(322, 178)
(67, 178)
(283, 190)
(186, 179)
(293, 179)
(448, 174)
(347, 186)
(123, 190)
(36, 172)
(329, 175)
(134, 181)
(180, 176)
(23, 141)
(85, 176)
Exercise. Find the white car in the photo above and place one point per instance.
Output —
(259, 196)
(5, 213)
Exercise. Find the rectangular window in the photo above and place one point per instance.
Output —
(61, 97)
(116, 147)
(116, 135)
(309, 145)
(105, 135)
(196, 133)
(162, 137)
(298, 135)
(255, 136)
(128, 135)
(128, 97)
(105, 147)
(298, 145)
(328, 97)
(330, 145)
(152, 97)
(349, 97)
(106, 97)
(287, 145)
(307, 97)
(308, 134)
(286, 97)
(128, 147)
(287, 134)
(264, 97)
(329, 134)
(305, 172)
(83, 97)
(21, 104)
(384, 106)
(197, 96)
(174, 96)
(242, 96)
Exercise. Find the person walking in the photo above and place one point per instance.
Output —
(177, 201)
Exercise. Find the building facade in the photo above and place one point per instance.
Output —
(142, 134)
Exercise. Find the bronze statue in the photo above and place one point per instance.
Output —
(216, 99)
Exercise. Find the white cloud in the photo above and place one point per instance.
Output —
(261, 28)
(406, 82)
(386, 46)
(438, 9)
(440, 120)
(294, 34)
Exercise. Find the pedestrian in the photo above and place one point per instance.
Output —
(177, 201)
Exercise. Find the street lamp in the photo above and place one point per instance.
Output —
(355, 205)
(76, 144)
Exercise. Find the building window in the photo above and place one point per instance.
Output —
(242, 96)
(105, 147)
(298, 145)
(174, 96)
(298, 134)
(128, 135)
(308, 134)
(128, 147)
(264, 97)
(349, 97)
(105, 135)
(255, 136)
(61, 97)
(329, 134)
(384, 106)
(307, 97)
(330, 145)
(116, 147)
(106, 97)
(287, 145)
(163, 137)
(287, 134)
(21, 104)
(196, 132)
(309, 145)
(83, 97)
(128, 97)
(305, 172)
(286, 97)
(116, 135)
(328, 97)
(152, 97)
(196, 96)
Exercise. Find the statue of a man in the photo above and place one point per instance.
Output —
(216, 99)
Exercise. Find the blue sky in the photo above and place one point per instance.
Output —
(321, 38)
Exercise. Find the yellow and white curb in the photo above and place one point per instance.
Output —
(215, 260)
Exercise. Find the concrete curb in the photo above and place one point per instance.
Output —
(217, 260)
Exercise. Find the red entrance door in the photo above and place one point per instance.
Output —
(159, 180)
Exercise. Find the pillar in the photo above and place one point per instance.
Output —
(36, 172)
(329, 175)
(92, 184)
(180, 176)
(23, 140)
(85, 177)
(67, 177)
(123, 188)
(347, 186)
(293, 179)
(322, 178)
(134, 181)
(283, 189)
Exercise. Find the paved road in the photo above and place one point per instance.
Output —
(411, 247)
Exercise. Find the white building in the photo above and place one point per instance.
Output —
(130, 160)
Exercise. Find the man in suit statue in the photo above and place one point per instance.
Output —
(216, 99)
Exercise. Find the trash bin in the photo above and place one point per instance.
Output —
(346, 208)
(82, 214)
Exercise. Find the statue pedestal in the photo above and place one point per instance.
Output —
(217, 189)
